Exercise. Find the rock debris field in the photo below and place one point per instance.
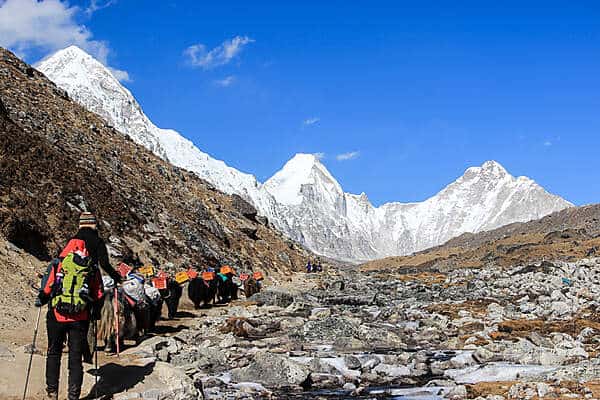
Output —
(528, 332)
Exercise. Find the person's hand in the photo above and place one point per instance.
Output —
(118, 279)
(38, 302)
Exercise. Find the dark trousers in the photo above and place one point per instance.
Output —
(75, 334)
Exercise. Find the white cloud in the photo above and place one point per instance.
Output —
(96, 5)
(47, 25)
(122, 76)
(225, 82)
(319, 155)
(347, 156)
(222, 54)
(547, 143)
(311, 121)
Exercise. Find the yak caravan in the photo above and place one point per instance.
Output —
(82, 290)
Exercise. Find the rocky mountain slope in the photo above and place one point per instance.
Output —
(304, 200)
(57, 158)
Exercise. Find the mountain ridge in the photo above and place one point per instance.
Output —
(58, 159)
(303, 199)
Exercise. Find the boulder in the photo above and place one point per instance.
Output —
(273, 298)
(243, 207)
(272, 370)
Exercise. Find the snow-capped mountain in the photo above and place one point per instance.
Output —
(336, 223)
(92, 85)
(303, 199)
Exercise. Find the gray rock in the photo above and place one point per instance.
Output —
(328, 329)
(271, 370)
(243, 207)
(352, 362)
(6, 354)
(273, 298)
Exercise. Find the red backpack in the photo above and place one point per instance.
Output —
(76, 246)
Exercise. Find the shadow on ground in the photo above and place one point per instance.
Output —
(185, 314)
(114, 378)
(167, 329)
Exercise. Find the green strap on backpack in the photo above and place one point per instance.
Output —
(73, 294)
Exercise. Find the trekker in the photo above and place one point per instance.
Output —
(88, 232)
(71, 287)
(308, 267)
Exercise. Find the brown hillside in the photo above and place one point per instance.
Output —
(56, 158)
(567, 235)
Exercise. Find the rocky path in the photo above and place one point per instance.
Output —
(529, 332)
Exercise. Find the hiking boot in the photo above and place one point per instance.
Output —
(51, 395)
(74, 393)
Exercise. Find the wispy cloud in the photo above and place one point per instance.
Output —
(48, 25)
(347, 156)
(319, 155)
(199, 56)
(225, 82)
(547, 143)
(311, 121)
(97, 5)
(122, 76)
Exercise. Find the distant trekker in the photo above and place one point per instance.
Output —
(309, 268)
(72, 287)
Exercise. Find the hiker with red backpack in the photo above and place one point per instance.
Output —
(72, 287)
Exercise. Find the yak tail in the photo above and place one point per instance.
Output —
(106, 324)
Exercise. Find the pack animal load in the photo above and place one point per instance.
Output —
(192, 273)
(147, 271)
(258, 276)
(182, 277)
(244, 277)
(70, 291)
(226, 269)
(134, 288)
(152, 293)
(160, 282)
(108, 283)
(124, 269)
(208, 275)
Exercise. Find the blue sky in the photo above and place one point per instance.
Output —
(418, 91)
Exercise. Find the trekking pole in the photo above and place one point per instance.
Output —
(37, 323)
(116, 307)
(96, 359)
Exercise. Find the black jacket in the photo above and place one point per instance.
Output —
(97, 249)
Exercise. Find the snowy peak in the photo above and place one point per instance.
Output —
(303, 173)
(490, 170)
(73, 67)
(93, 86)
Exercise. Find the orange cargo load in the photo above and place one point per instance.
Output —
(162, 274)
(226, 269)
(159, 283)
(208, 276)
(124, 269)
(258, 275)
(192, 273)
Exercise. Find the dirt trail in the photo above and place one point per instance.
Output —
(13, 370)
(119, 373)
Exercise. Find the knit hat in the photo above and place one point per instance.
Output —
(87, 219)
